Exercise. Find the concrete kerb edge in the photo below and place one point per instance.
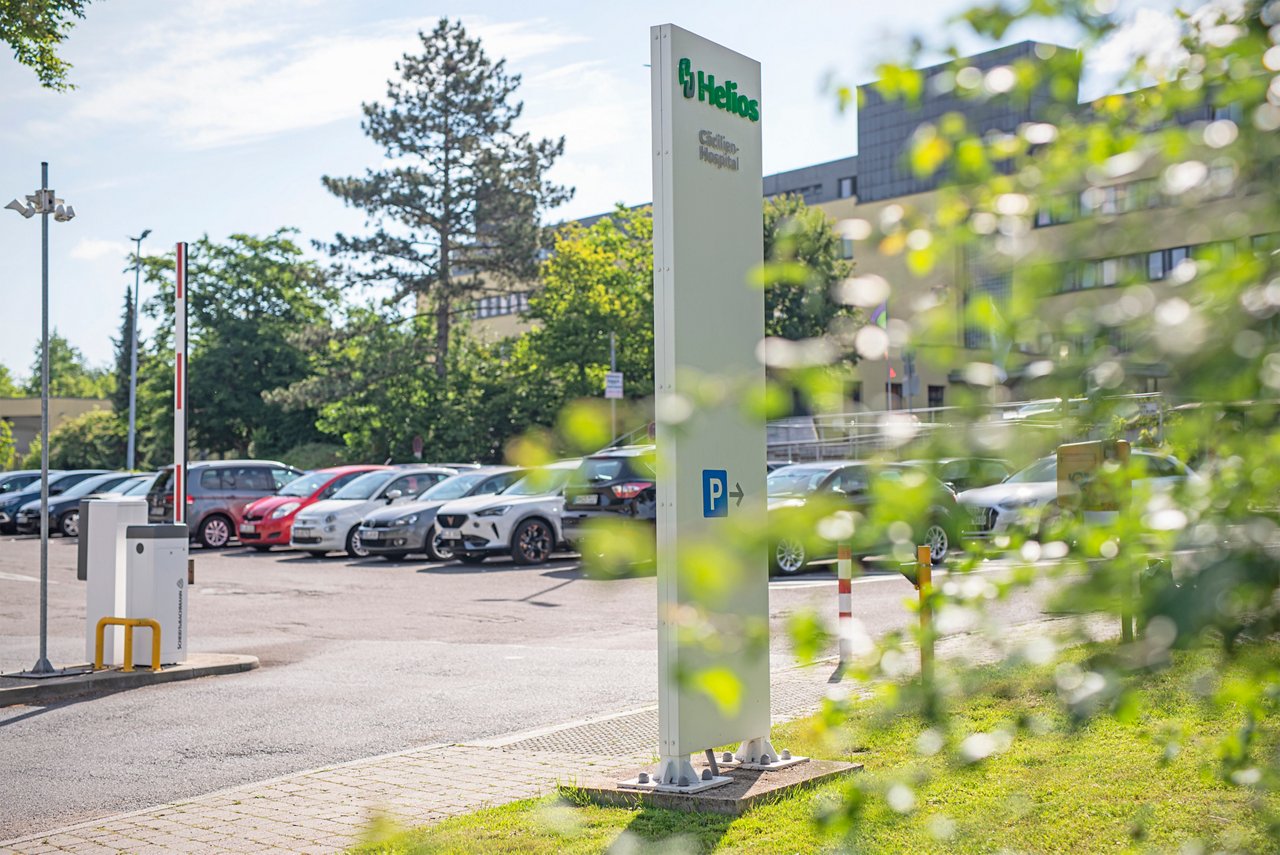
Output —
(113, 681)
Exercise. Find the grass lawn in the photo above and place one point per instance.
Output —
(1145, 782)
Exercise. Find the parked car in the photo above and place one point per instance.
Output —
(617, 485)
(523, 521)
(965, 473)
(268, 521)
(59, 482)
(217, 493)
(19, 478)
(334, 524)
(64, 509)
(851, 485)
(1028, 499)
(395, 532)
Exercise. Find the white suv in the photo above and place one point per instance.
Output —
(523, 521)
(334, 524)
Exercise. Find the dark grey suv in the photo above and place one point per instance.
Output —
(217, 493)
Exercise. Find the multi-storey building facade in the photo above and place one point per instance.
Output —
(1073, 266)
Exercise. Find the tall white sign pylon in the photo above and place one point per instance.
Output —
(708, 323)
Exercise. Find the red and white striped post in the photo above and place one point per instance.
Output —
(844, 585)
(180, 389)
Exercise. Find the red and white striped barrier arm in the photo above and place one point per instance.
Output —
(844, 587)
(180, 389)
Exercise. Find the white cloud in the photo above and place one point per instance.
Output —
(241, 81)
(1153, 36)
(96, 249)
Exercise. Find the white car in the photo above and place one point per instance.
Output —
(523, 521)
(334, 524)
(1030, 495)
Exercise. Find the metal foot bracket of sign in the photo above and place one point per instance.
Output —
(708, 323)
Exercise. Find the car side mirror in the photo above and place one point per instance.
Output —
(53, 491)
(392, 495)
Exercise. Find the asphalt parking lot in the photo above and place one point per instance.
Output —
(359, 657)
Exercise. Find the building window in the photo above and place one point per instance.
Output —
(1155, 265)
(848, 187)
(846, 248)
(857, 392)
(936, 394)
(1110, 271)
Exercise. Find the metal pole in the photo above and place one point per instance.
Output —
(42, 665)
(133, 352)
(613, 403)
(924, 581)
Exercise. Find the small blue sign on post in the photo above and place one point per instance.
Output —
(715, 493)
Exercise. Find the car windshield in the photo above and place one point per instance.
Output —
(540, 482)
(306, 485)
(795, 480)
(1045, 469)
(137, 486)
(90, 485)
(455, 486)
(366, 485)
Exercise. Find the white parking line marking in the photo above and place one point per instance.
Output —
(17, 577)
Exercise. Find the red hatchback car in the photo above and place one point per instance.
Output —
(269, 521)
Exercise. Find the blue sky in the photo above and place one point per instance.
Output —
(220, 117)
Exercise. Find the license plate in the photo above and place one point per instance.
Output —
(586, 499)
(248, 528)
(370, 535)
(303, 532)
(450, 534)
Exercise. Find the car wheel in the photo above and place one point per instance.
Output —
(532, 542)
(69, 524)
(471, 559)
(789, 556)
(436, 550)
(215, 532)
(355, 548)
(938, 541)
(394, 556)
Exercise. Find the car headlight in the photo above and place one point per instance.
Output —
(284, 510)
(409, 520)
(494, 512)
(1014, 504)
(331, 518)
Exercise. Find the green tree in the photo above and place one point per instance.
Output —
(70, 375)
(92, 440)
(35, 29)
(598, 280)
(123, 345)
(459, 212)
(804, 260)
(374, 380)
(9, 388)
(246, 297)
(8, 448)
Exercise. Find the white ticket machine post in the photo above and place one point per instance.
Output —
(156, 588)
(101, 564)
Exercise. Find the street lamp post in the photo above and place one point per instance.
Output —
(133, 349)
(45, 203)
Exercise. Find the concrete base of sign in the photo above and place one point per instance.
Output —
(745, 788)
(759, 750)
(773, 765)
(698, 785)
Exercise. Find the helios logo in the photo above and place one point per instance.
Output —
(724, 96)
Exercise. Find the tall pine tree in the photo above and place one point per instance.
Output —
(120, 394)
(458, 208)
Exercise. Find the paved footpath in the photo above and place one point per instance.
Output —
(328, 809)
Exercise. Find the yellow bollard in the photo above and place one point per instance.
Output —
(128, 624)
(924, 582)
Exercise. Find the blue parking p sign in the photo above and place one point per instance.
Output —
(715, 493)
